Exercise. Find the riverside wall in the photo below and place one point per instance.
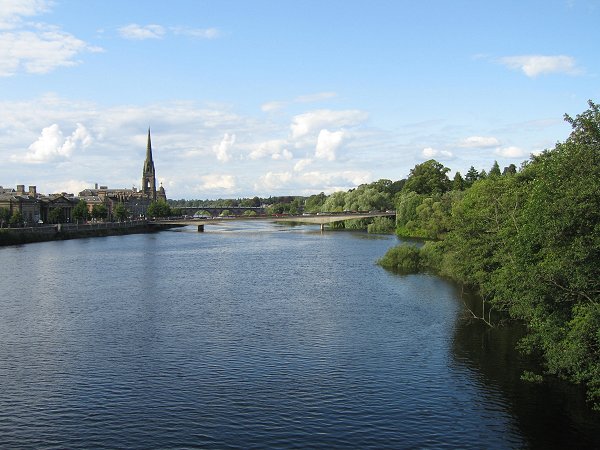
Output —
(14, 236)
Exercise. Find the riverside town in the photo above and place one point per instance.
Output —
(254, 224)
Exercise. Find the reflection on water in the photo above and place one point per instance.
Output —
(255, 335)
(550, 415)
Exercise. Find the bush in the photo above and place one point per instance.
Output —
(402, 258)
(381, 225)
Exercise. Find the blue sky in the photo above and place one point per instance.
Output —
(284, 97)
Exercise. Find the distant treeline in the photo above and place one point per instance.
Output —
(528, 241)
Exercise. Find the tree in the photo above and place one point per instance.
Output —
(458, 183)
(120, 212)
(99, 211)
(159, 208)
(314, 203)
(471, 177)
(335, 202)
(552, 281)
(495, 170)
(4, 216)
(80, 211)
(429, 177)
(16, 219)
(510, 170)
(55, 215)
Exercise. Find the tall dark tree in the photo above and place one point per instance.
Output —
(471, 177)
(511, 169)
(495, 170)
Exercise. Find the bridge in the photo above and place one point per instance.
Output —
(320, 218)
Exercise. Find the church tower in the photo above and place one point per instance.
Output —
(148, 174)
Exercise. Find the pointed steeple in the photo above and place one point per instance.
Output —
(148, 174)
(149, 148)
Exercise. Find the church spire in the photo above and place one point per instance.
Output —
(149, 148)
(148, 174)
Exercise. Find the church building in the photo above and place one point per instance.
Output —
(136, 201)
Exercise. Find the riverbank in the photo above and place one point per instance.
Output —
(26, 235)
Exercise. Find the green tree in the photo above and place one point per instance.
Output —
(335, 202)
(158, 208)
(458, 183)
(314, 203)
(4, 216)
(16, 219)
(99, 211)
(511, 169)
(495, 170)
(80, 211)
(366, 198)
(120, 212)
(553, 280)
(55, 215)
(250, 213)
(429, 178)
(471, 177)
(407, 219)
(225, 213)
(381, 225)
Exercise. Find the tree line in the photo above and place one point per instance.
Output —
(527, 241)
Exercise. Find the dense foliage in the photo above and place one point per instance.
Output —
(80, 211)
(159, 208)
(529, 242)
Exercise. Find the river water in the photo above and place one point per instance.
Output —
(257, 335)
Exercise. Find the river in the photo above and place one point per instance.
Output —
(257, 335)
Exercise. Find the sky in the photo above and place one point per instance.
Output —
(284, 97)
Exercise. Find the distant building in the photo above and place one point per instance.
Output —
(36, 208)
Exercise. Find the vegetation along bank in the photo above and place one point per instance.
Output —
(527, 240)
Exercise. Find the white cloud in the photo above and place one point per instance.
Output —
(141, 32)
(12, 10)
(272, 181)
(479, 142)
(511, 152)
(69, 186)
(430, 152)
(52, 146)
(274, 148)
(302, 164)
(34, 48)
(534, 65)
(310, 122)
(222, 148)
(217, 181)
(186, 137)
(327, 144)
